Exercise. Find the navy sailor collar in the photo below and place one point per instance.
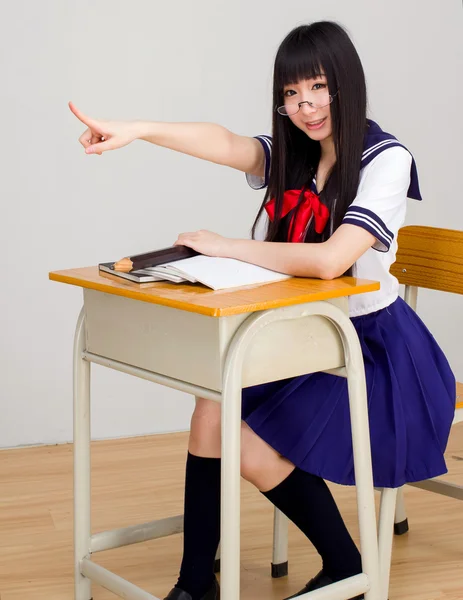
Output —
(376, 140)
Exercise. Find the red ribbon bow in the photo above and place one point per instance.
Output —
(311, 205)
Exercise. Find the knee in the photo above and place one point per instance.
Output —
(251, 467)
(205, 429)
(254, 458)
(261, 465)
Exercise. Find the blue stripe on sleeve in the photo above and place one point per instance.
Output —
(256, 182)
(357, 215)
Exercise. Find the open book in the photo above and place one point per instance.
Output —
(216, 273)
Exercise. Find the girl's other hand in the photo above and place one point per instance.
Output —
(104, 135)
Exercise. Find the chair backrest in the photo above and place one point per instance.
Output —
(430, 257)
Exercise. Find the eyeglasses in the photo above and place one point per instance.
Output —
(320, 99)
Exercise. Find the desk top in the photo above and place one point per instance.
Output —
(200, 299)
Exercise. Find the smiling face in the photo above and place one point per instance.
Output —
(314, 115)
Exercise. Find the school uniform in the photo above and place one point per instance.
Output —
(410, 386)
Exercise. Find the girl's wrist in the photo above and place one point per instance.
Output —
(232, 248)
(145, 130)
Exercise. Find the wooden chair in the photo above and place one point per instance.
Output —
(432, 258)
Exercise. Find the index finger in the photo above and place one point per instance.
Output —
(86, 120)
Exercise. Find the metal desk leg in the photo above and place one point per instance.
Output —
(362, 451)
(230, 487)
(82, 527)
(368, 581)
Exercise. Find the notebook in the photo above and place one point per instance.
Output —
(213, 272)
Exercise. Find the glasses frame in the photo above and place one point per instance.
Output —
(311, 104)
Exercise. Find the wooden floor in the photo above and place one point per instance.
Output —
(137, 480)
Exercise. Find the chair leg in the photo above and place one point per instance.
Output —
(280, 544)
(400, 518)
(385, 535)
(280, 547)
(217, 561)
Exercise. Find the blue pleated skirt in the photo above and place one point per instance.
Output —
(411, 402)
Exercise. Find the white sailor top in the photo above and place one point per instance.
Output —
(388, 176)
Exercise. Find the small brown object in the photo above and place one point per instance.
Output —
(125, 265)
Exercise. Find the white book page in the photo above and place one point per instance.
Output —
(222, 273)
(149, 273)
(171, 270)
(166, 274)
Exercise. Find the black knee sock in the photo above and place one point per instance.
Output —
(202, 524)
(307, 501)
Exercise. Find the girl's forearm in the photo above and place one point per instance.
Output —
(325, 260)
(299, 260)
(207, 141)
(203, 140)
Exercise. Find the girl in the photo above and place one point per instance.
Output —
(337, 182)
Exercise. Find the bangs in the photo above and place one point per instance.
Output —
(297, 59)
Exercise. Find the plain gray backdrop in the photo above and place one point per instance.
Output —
(207, 60)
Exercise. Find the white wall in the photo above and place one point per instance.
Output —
(176, 61)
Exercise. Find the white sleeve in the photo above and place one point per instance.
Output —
(256, 182)
(380, 204)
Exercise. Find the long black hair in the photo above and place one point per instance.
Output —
(306, 52)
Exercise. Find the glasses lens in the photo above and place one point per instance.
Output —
(318, 99)
(288, 109)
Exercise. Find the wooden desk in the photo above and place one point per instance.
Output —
(212, 344)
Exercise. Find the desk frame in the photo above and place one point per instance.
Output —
(85, 543)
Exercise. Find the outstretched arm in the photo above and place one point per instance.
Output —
(207, 141)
